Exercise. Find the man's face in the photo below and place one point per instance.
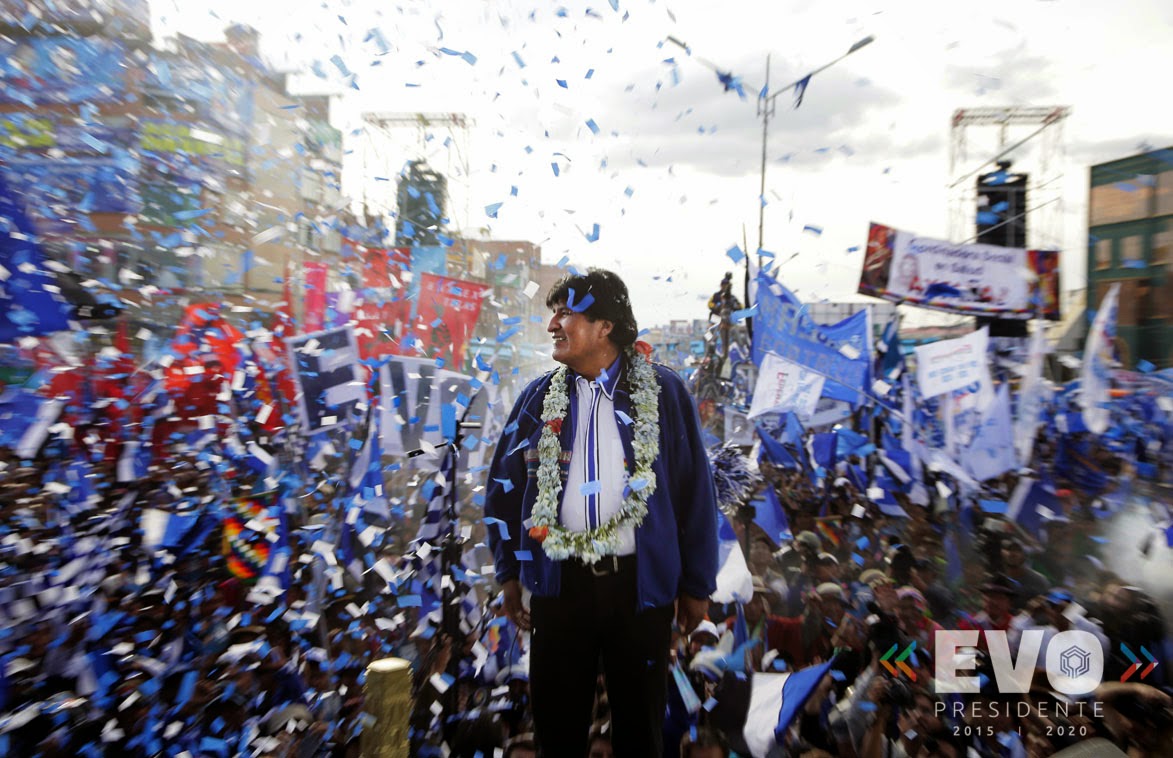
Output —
(1013, 556)
(755, 609)
(910, 612)
(834, 611)
(578, 341)
(761, 556)
(997, 604)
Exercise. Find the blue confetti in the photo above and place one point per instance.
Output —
(582, 305)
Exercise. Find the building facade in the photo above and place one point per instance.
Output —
(1130, 241)
(168, 174)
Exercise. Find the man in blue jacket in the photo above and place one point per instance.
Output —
(609, 520)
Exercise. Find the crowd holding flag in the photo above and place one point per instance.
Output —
(333, 468)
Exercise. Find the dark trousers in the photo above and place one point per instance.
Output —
(595, 618)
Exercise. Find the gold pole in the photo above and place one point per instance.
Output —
(387, 699)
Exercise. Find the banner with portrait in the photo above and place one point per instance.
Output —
(972, 279)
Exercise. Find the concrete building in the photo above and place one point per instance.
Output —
(1130, 241)
(164, 173)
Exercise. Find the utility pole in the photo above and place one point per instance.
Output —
(766, 104)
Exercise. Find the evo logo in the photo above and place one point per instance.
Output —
(1074, 661)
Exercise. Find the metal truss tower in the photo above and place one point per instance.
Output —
(1029, 137)
(442, 141)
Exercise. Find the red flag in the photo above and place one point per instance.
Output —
(315, 296)
(385, 309)
(448, 313)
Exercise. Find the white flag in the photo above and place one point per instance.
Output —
(785, 386)
(953, 364)
(1030, 399)
(1095, 379)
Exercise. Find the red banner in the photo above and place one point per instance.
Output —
(315, 297)
(385, 308)
(448, 313)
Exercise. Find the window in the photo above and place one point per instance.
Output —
(1131, 249)
(1165, 192)
(1163, 243)
(1103, 253)
(1121, 201)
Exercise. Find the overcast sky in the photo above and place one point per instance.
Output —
(671, 176)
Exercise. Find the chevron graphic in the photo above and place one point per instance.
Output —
(1136, 662)
(900, 661)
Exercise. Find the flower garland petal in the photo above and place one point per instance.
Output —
(560, 543)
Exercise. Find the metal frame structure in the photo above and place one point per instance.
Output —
(1040, 153)
(382, 144)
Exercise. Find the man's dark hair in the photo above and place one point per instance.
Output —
(610, 301)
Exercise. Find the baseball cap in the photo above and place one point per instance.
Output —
(809, 539)
(705, 627)
(832, 590)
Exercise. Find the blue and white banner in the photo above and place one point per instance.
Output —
(840, 352)
(421, 405)
(325, 369)
(953, 364)
(1096, 379)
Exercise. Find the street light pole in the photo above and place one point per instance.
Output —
(765, 110)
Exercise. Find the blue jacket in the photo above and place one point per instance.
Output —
(675, 546)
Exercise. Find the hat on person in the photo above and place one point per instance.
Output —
(828, 558)
(831, 590)
(705, 627)
(809, 540)
(874, 576)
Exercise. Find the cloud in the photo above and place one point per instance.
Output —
(700, 125)
(1102, 151)
(1017, 77)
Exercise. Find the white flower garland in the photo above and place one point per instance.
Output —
(590, 545)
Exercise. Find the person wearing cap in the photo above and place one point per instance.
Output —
(997, 603)
(603, 484)
(705, 635)
(912, 613)
(799, 640)
(799, 564)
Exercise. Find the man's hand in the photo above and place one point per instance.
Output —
(514, 608)
(690, 611)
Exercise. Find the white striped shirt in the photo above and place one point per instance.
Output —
(597, 476)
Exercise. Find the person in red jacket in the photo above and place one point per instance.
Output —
(800, 640)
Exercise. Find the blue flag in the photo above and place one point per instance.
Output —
(774, 451)
(770, 516)
(30, 303)
(841, 352)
